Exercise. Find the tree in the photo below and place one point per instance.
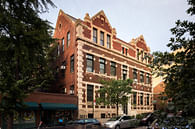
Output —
(114, 92)
(178, 66)
(24, 42)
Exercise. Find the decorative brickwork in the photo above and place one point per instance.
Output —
(84, 42)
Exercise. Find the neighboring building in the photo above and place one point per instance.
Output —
(45, 107)
(157, 91)
(88, 50)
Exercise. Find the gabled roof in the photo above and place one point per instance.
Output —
(103, 14)
(69, 16)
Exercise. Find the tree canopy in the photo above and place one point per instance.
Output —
(24, 43)
(114, 92)
(178, 66)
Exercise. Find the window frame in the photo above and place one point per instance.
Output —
(108, 41)
(68, 39)
(134, 98)
(63, 44)
(113, 66)
(90, 90)
(103, 63)
(147, 78)
(123, 50)
(148, 99)
(72, 63)
(89, 60)
(141, 77)
(141, 99)
(95, 35)
(101, 38)
(134, 73)
(72, 90)
(137, 54)
(124, 72)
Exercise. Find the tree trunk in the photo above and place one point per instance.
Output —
(117, 109)
(10, 121)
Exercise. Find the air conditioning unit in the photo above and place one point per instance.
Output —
(62, 67)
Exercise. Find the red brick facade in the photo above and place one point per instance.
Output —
(114, 50)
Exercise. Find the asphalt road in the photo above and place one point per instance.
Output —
(86, 127)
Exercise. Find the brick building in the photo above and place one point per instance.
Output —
(88, 50)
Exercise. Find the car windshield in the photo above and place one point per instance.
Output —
(114, 118)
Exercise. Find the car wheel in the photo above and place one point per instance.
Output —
(117, 127)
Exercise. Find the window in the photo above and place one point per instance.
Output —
(72, 64)
(89, 63)
(113, 69)
(62, 68)
(102, 65)
(90, 93)
(103, 115)
(124, 72)
(90, 115)
(137, 54)
(108, 41)
(102, 38)
(64, 90)
(135, 74)
(142, 77)
(95, 35)
(142, 56)
(72, 90)
(60, 25)
(126, 51)
(134, 98)
(148, 99)
(58, 50)
(147, 78)
(145, 57)
(123, 50)
(62, 44)
(68, 38)
(141, 98)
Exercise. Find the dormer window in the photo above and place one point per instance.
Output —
(101, 38)
(95, 35)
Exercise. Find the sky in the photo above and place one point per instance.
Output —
(151, 18)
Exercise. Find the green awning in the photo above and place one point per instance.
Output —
(31, 105)
(58, 106)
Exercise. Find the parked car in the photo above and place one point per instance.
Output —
(121, 122)
(148, 119)
(84, 124)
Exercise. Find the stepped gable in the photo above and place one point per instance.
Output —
(100, 20)
(141, 43)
